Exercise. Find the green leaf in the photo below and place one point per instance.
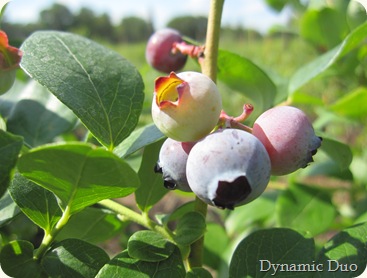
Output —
(240, 74)
(2, 123)
(39, 204)
(244, 217)
(151, 189)
(74, 258)
(37, 115)
(345, 251)
(190, 228)
(78, 174)
(198, 272)
(124, 266)
(16, 259)
(299, 207)
(8, 208)
(326, 166)
(10, 146)
(352, 105)
(339, 152)
(102, 88)
(306, 99)
(325, 28)
(214, 255)
(178, 213)
(356, 13)
(138, 139)
(323, 62)
(92, 225)
(149, 246)
(358, 166)
(254, 253)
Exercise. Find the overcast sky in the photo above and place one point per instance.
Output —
(247, 13)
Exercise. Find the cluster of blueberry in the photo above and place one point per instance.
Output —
(207, 151)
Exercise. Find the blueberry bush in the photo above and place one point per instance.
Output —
(279, 190)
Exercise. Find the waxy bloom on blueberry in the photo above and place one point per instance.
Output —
(9, 61)
(186, 106)
(172, 164)
(228, 168)
(288, 137)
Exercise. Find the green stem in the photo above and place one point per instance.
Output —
(209, 68)
(49, 237)
(141, 219)
(195, 258)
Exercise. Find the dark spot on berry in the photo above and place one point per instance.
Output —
(169, 184)
(158, 169)
(228, 194)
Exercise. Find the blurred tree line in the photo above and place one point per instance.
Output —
(100, 27)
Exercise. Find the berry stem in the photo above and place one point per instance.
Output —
(193, 51)
(209, 68)
(226, 121)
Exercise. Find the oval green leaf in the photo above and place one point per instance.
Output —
(198, 272)
(38, 115)
(216, 241)
(299, 208)
(242, 75)
(190, 228)
(10, 146)
(151, 189)
(352, 105)
(325, 28)
(124, 266)
(149, 246)
(74, 258)
(254, 255)
(345, 254)
(78, 174)
(339, 152)
(39, 204)
(16, 259)
(258, 211)
(323, 62)
(102, 225)
(8, 208)
(100, 86)
(138, 139)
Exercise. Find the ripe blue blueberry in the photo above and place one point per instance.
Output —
(228, 168)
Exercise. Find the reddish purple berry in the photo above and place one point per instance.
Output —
(159, 51)
(288, 137)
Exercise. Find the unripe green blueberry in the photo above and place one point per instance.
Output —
(186, 107)
(288, 137)
(172, 164)
(228, 168)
